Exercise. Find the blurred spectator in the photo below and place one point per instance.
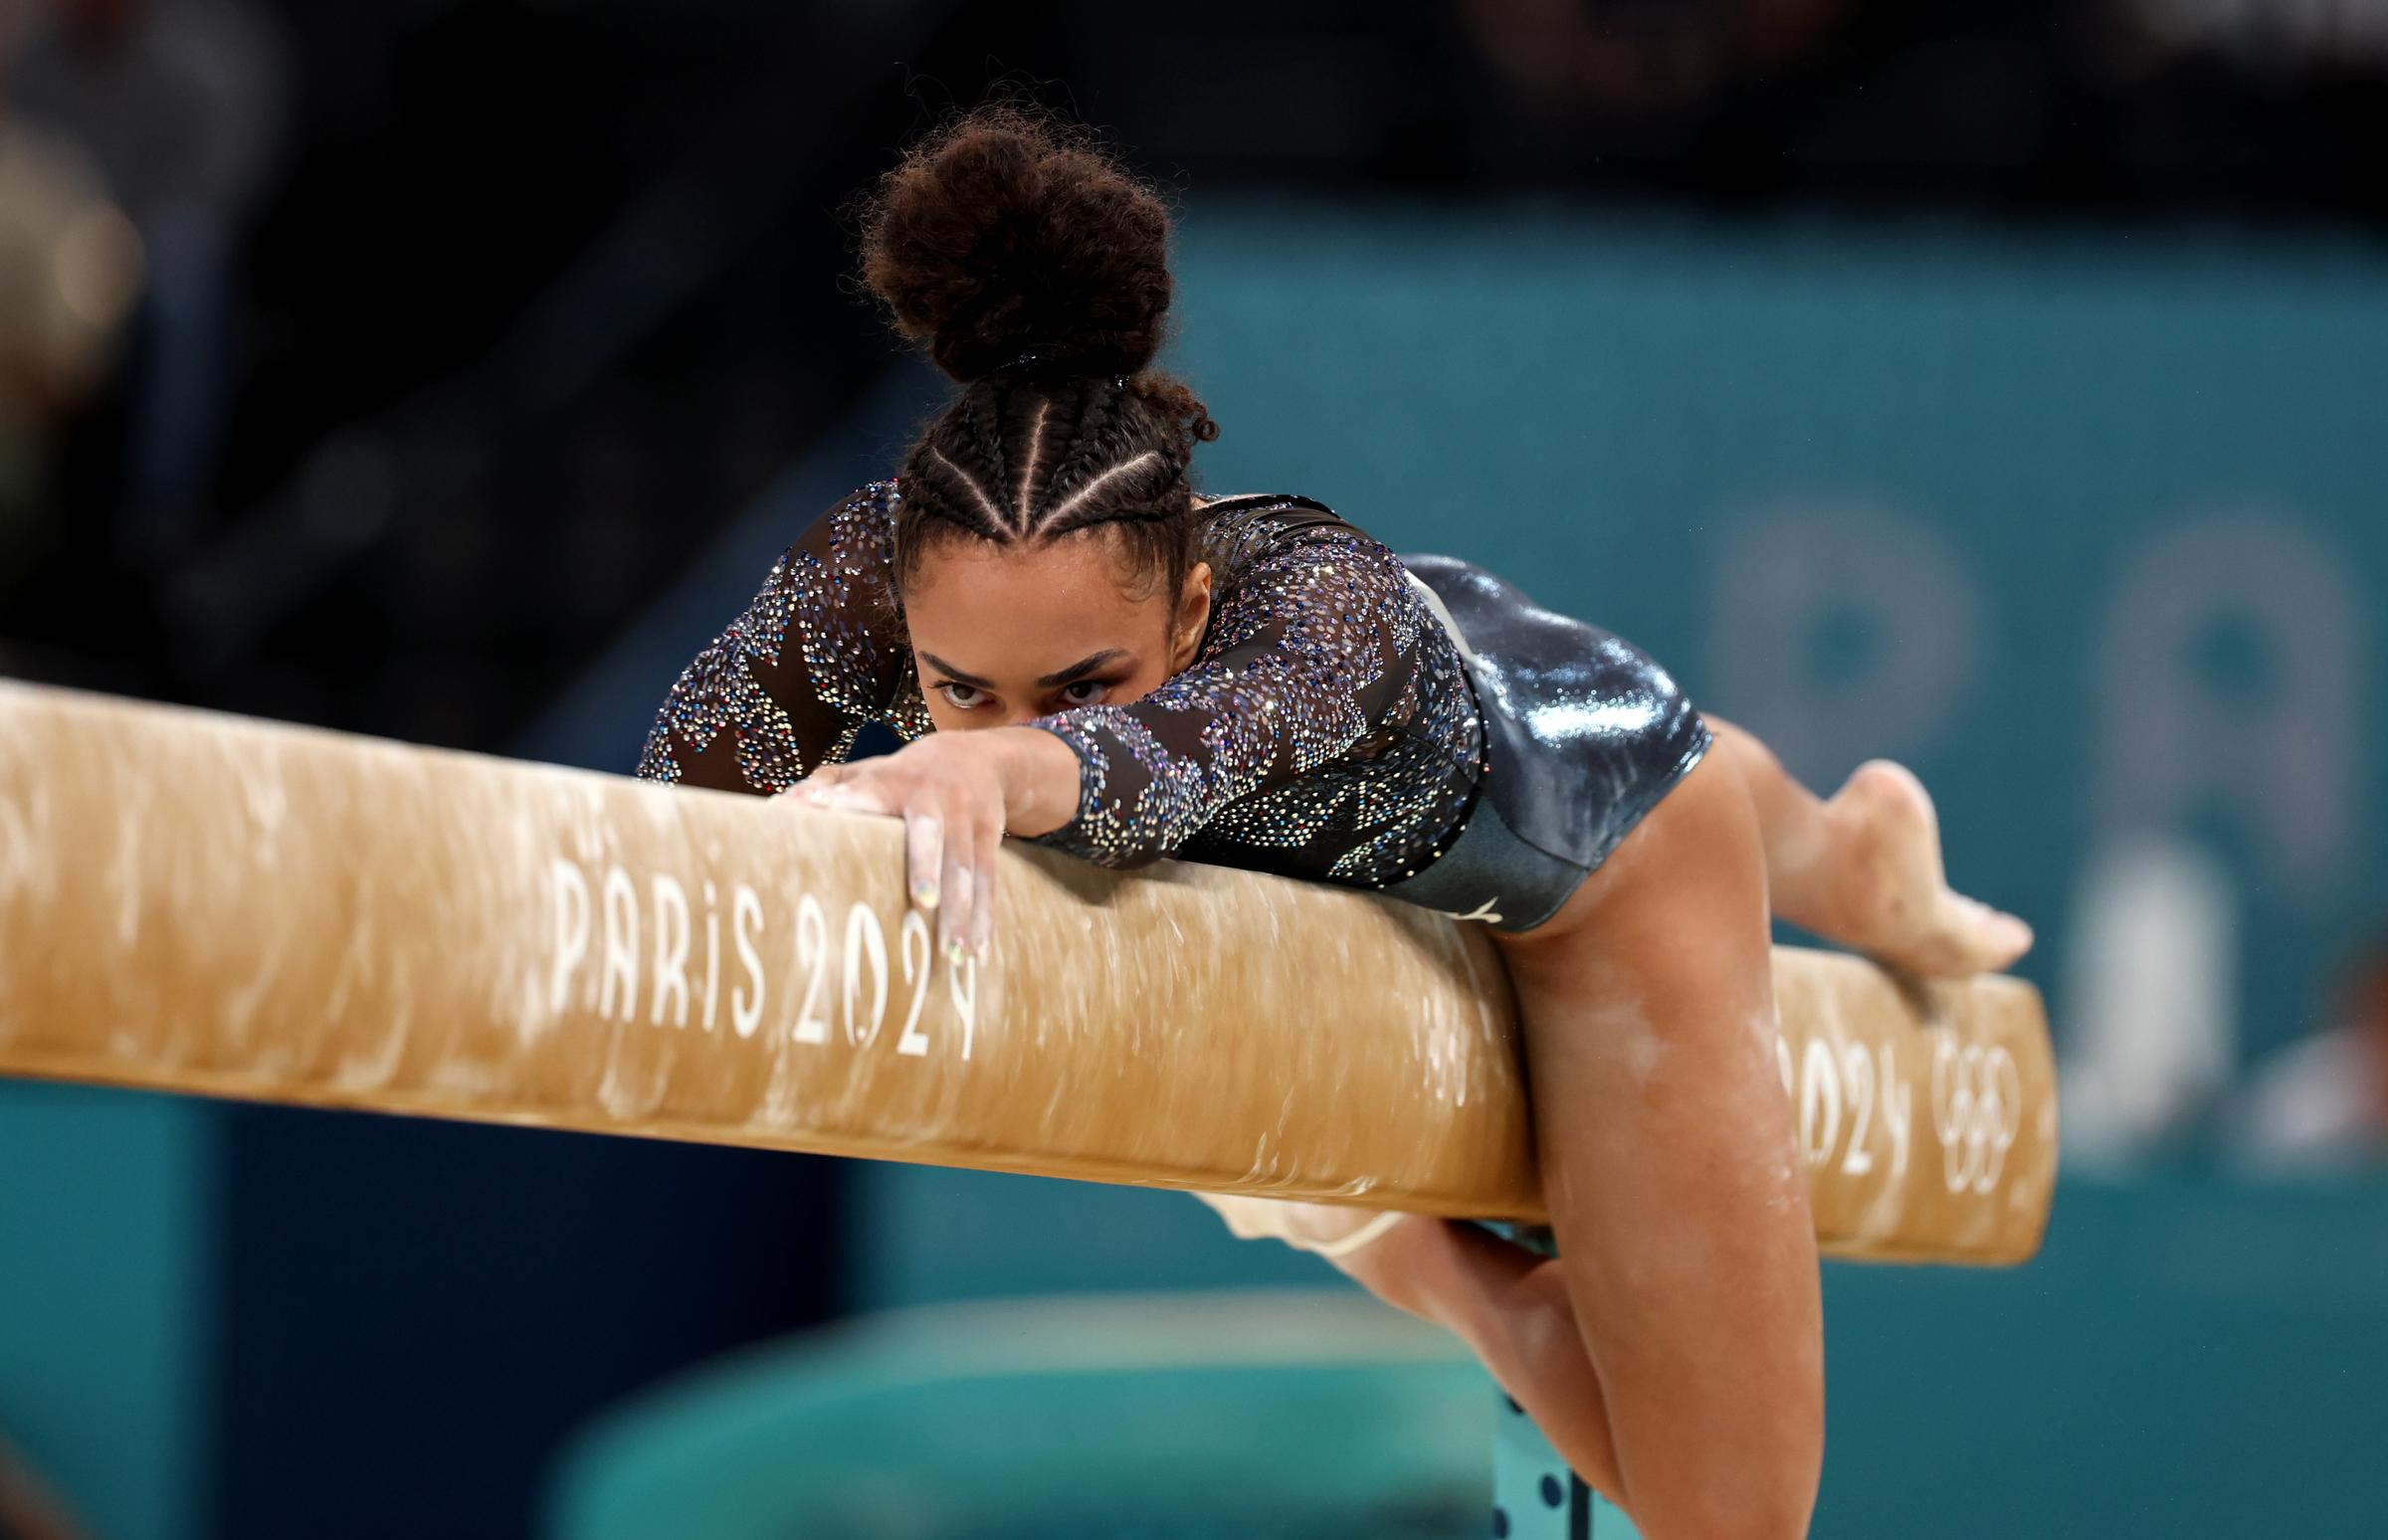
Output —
(181, 102)
(2149, 996)
(69, 270)
(1650, 55)
(2265, 37)
(2323, 1102)
(2169, 103)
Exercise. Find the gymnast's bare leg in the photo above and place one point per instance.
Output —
(1864, 868)
(1725, 1266)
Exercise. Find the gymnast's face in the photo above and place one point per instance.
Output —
(1002, 633)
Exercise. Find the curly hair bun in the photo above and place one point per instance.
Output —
(1010, 235)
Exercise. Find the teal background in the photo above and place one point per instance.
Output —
(107, 1293)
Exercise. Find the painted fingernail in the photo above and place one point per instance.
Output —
(925, 895)
(954, 954)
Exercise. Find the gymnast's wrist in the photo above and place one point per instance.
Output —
(1040, 778)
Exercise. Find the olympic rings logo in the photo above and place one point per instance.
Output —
(1977, 1111)
(1851, 1109)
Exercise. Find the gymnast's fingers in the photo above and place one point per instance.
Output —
(962, 881)
(986, 845)
(812, 786)
(924, 858)
(865, 791)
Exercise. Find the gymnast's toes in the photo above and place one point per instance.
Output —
(1981, 939)
(1895, 901)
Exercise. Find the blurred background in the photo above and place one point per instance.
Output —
(1993, 385)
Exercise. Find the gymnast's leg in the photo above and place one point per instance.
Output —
(1864, 868)
(1674, 1356)
(1673, 1178)
(1510, 1306)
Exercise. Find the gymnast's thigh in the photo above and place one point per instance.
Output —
(1706, 815)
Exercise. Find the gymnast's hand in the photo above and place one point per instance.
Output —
(958, 794)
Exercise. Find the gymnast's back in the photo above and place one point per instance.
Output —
(1328, 727)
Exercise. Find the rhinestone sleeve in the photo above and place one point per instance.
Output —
(819, 652)
(1326, 729)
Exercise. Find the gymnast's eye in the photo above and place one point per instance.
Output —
(966, 697)
(1085, 691)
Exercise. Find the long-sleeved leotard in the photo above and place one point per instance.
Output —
(1326, 728)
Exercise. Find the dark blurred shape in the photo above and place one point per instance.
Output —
(2323, 1103)
(182, 104)
(1643, 57)
(416, 1314)
(70, 271)
(2280, 42)
(2118, 103)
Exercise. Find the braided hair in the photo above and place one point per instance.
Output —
(1034, 270)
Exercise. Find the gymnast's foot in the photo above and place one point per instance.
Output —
(1346, 1237)
(1891, 895)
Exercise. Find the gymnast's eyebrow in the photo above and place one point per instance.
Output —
(1053, 681)
(958, 675)
(1081, 668)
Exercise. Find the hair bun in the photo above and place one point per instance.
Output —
(1010, 240)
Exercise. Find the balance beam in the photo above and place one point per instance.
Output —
(199, 903)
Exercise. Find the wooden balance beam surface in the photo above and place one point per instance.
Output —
(196, 903)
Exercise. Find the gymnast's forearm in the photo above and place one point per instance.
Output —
(1040, 781)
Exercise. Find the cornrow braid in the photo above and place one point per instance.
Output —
(992, 525)
(981, 415)
(1016, 462)
(1029, 460)
(1059, 519)
(1093, 443)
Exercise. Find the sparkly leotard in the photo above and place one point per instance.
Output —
(1329, 729)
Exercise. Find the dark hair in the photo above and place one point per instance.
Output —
(1034, 270)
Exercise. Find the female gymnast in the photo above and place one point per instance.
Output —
(1081, 650)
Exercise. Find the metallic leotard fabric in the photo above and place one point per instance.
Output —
(1584, 735)
(1328, 727)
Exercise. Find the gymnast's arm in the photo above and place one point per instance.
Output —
(1312, 654)
(1319, 658)
(784, 689)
